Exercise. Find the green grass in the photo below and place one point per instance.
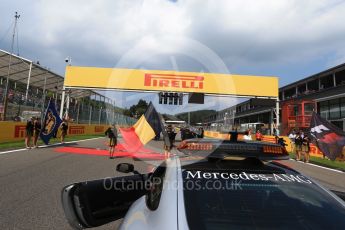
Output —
(21, 144)
(324, 162)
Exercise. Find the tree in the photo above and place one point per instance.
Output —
(137, 110)
(142, 104)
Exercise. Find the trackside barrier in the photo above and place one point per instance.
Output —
(314, 151)
(15, 131)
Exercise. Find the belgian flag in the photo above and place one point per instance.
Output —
(145, 129)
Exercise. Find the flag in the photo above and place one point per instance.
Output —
(327, 137)
(51, 123)
(145, 129)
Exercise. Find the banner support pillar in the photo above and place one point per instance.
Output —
(44, 98)
(271, 121)
(277, 114)
(62, 101)
(28, 83)
(90, 114)
(67, 105)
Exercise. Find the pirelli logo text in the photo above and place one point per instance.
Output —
(99, 129)
(76, 130)
(19, 131)
(174, 81)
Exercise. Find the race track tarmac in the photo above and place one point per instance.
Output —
(31, 180)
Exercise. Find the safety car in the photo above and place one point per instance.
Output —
(211, 184)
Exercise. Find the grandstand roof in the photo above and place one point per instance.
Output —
(20, 68)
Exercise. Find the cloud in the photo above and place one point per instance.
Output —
(245, 32)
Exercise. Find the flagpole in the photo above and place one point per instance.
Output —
(16, 17)
(43, 118)
(44, 94)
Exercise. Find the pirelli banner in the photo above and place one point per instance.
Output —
(154, 80)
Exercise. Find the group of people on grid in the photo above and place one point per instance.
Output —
(33, 130)
(300, 145)
(186, 133)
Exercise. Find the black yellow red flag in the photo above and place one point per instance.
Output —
(145, 129)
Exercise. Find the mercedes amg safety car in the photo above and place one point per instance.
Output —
(213, 185)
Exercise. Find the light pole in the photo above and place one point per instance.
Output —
(68, 61)
(99, 117)
(225, 120)
(16, 17)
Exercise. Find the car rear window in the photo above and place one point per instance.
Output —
(255, 199)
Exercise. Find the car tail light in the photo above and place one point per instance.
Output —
(195, 146)
(273, 149)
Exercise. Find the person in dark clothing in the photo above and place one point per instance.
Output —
(157, 137)
(64, 129)
(200, 133)
(111, 132)
(183, 134)
(187, 134)
(37, 131)
(306, 149)
(172, 135)
(193, 134)
(29, 131)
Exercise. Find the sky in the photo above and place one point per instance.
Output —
(288, 39)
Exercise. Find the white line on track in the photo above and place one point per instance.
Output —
(45, 146)
(69, 142)
(334, 170)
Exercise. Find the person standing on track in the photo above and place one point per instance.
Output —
(298, 145)
(200, 132)
(29, 131)
(247, 136)
(306, 149)
(169, 141)
(64, 129)
(292, 137)
(111, 132)
(258, 135)
(37, 131)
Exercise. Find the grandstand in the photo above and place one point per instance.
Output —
(31, 86)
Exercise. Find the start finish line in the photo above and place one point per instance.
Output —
(170, 81)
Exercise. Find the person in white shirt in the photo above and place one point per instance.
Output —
(247, 136)
(292, 137)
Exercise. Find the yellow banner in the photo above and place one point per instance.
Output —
(154, 80)
(15, 131)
